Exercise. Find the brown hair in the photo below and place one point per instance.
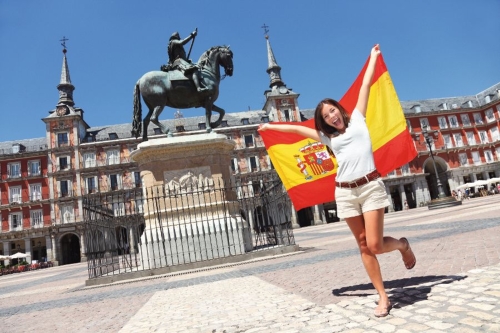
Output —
(319, 122)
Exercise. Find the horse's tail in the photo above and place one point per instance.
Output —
(137, 116)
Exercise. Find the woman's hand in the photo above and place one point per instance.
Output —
(375, 51)
(263, 127)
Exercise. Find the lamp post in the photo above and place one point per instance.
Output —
(442, 200)
(429, 142)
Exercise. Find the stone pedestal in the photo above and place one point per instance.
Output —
(190, 214)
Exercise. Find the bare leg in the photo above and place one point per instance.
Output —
(368, 232)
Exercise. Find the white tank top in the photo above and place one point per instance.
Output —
(352, 149)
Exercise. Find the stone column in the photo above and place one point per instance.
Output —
(48, 246)
(6, 251)
(402, 195)
(83, 248)
(27, 250)
(317, 215)
(54, 257)
(295, 224)
(391, 206)
(131, 239)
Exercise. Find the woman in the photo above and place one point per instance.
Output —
(360, 193)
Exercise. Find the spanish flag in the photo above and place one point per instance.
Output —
(306, 168)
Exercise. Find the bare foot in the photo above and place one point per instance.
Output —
(383, 308)
(409, 258)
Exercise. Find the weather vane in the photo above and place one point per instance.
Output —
(266, 30)
(63, 40)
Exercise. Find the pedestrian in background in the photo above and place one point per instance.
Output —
(360, 192)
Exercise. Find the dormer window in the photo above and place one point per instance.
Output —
(245, 121)
(443, 106)
(223, 123)
(417, 108)
(113, 136)
(180, 128)
(157, 130)
(467, 104)
(202, 126)
(488, 98)
(264, 119)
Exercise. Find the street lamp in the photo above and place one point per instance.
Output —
(442, 200)
(429, 142)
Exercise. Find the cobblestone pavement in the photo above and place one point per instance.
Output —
(455, 286)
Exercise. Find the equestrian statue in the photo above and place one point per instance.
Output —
(182, 84)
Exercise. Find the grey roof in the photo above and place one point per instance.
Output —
(430, 105)
(27, 145)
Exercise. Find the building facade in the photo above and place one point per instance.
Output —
(43, 180)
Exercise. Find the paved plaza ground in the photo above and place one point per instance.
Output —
(454, 287)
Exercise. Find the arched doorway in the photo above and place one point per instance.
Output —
(70, 249)
(122, 241)
(441, 167)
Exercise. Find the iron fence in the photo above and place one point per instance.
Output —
(150, 228)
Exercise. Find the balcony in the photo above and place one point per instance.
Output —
(13, 175)
(65, 194)
(62, 167)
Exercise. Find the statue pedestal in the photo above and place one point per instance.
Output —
(190, 212)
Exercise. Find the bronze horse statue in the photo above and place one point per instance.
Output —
(173, 89)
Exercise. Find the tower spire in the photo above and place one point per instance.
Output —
(65, 87)
(273, 69)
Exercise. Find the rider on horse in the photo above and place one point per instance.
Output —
(178, 59)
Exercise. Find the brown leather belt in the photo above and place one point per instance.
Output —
(360, 181)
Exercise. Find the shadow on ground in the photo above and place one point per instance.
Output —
(401, 292)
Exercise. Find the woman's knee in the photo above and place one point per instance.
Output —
(375, 247)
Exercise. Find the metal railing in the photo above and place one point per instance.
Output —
(143, 229)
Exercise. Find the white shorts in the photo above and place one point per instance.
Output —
(356, 201)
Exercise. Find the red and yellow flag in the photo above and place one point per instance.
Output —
(306, 168)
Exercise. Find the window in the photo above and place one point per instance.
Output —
(417, 108)
(15, 194)
(488, 156)
(463, 159)
(64, 186)
(14, 170)
(264, 119)
(408, 125)
(91, 184)
(36, 217)
(245, 121)
(458, 139)
(477, 119)
(286, 113)
(115, 182)
(180, 128)
(442, 122)
(467, 104)
(494, 134)
(489, 115)
(137, 179)
(249, 141)
(234, 165)
(89, 160)
(471, 140)
(157, 130)
(405, 169)
(475, 157)
(62, 139)
(447, 141)
(483, 136)
(113, 136)
(35, 192)
(34, 168)
(254, 163)
(63, 163)
(223, 123)
(453, 121)
(465, 119)
(16, 221)
(119, 209)
(67, 214)
(202, 126)
(392, 173)
(113, 157)
(424, 122)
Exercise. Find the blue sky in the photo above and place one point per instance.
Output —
(432, 49)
